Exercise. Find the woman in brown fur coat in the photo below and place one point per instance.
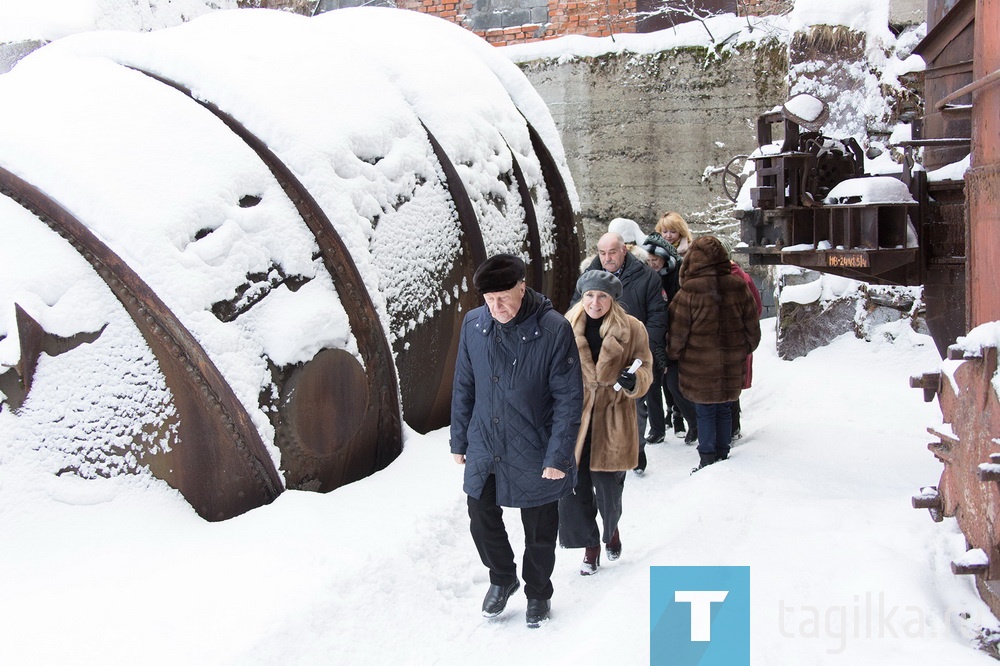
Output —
(610, 340)
(713, 327)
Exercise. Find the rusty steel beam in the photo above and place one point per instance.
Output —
(536, 266)
(33, 340)
(427, 398)
(472, 234)
(386, 433)
(426, 355)
(982, 181)
(561, 282)
(219, 463)
(29, 336)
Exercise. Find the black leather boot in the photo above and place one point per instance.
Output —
(678, 422)
(496, 598)
(641, 467)
(537, 613)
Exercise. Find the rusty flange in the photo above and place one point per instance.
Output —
(219, 462)
(968, 446)
(381, 434)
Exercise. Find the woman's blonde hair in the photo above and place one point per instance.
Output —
(674, 222)
(615, 318)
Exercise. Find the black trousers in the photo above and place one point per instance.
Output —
(595, 492)
(541, 525)
(658, 423)
(672, 380)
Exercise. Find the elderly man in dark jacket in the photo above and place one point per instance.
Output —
(713, 327)
(642, 297)
(515, 413)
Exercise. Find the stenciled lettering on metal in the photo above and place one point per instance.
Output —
(847, 260)
(222, 466)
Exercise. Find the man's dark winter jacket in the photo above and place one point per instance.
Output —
(713, 325)
(642, 297)
(516, 403)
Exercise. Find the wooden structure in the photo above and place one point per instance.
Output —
(963, 102)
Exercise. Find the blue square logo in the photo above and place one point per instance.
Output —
(699, 616)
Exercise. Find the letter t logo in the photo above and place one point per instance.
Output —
(701, 610)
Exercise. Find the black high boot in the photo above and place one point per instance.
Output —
(706, 460)
(678, 422)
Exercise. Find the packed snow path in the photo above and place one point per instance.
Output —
(815, 499)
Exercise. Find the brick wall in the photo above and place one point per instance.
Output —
(503, 22)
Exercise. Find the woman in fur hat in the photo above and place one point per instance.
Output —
(609, 340)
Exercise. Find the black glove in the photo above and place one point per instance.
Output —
(660, 360)
(626, 380)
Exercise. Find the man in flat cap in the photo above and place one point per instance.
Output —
(515, 413)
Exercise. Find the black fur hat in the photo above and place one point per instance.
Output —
(498, 273)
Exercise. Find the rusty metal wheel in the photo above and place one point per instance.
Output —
(733, 178)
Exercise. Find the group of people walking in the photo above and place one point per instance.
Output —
(549, 411)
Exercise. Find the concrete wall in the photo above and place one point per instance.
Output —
(907, 12)
(640, 130)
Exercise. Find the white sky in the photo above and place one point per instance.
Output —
(120, 571)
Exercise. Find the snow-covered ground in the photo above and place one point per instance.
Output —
(815, 500)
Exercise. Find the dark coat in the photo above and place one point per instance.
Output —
(516, 403)
(748, 281)
(642, 297)
(610, 415)
(713, 325)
